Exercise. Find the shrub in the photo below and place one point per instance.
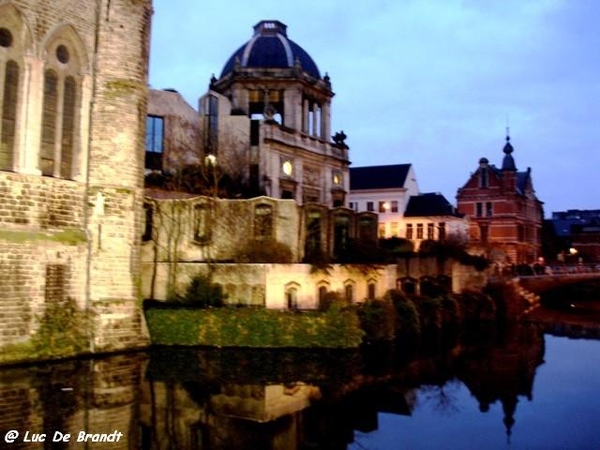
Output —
(408, 322)
(63, 330)
(203, 293)
(265, 251)
(477, 306)
(248, 327)
(332, 299)
(430, 313)
(378, 320)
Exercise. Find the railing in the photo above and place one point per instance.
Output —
(536, 270)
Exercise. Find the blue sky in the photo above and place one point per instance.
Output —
(428, 82)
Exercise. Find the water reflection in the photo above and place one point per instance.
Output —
(239, 399)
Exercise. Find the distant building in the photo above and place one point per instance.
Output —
(431, 216)
(505, 214)
(392, 192)
(385, 190)
(573, 232)
(172, 131)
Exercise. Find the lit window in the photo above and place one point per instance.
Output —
(419, 231)
(430, 231)
(337, 177)
(409, 231)
(287, 168)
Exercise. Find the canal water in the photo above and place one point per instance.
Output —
(516, 388)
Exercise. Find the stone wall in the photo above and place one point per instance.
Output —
(269, 285)
(74, 232)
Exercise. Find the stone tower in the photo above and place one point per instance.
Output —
(73, 99)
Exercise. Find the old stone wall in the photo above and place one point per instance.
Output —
(271, 285)
(71, 209)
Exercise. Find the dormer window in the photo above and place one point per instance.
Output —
(483, 177)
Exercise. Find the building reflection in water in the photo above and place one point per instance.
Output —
(240, 399)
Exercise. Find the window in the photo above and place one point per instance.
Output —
(394, 206)
(201, 223)
(483, 178)
(370, 206)
(381, 232)
(341, 234)
(155, 130)
(351, 205)
(61, 97)
(9, 89)
(371, 291)
(322, 295)
(313, 234)
(442, 231)
(349, 293)
(383, 207)
(430, 231)
(483, 233)
(479, 209)
(419, 231)
(212, 143)
(291, 298)
(489, 209)
(409, 231)
(394, 229)
(336, 177)
(263, 222)
(55, 288)
(148, 222)
(367, 229)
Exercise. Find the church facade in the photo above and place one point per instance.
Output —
(505, 214)
(73, 99)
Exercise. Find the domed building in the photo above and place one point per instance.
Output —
(267, 119)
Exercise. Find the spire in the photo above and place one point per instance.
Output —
(508, 163)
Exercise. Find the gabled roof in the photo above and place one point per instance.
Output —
(430, 204)
(379, 177)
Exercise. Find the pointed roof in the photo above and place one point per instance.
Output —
(508, 163)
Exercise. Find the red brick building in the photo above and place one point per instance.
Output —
(505, 214)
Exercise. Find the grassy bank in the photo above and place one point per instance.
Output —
(250, 327)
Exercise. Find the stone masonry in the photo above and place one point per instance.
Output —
(73, 93)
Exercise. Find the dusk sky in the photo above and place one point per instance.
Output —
(428, 82)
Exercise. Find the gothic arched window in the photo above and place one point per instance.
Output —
(9, 90)
(9, 114)
(60, 124)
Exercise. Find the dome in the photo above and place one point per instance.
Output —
(270, 48)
